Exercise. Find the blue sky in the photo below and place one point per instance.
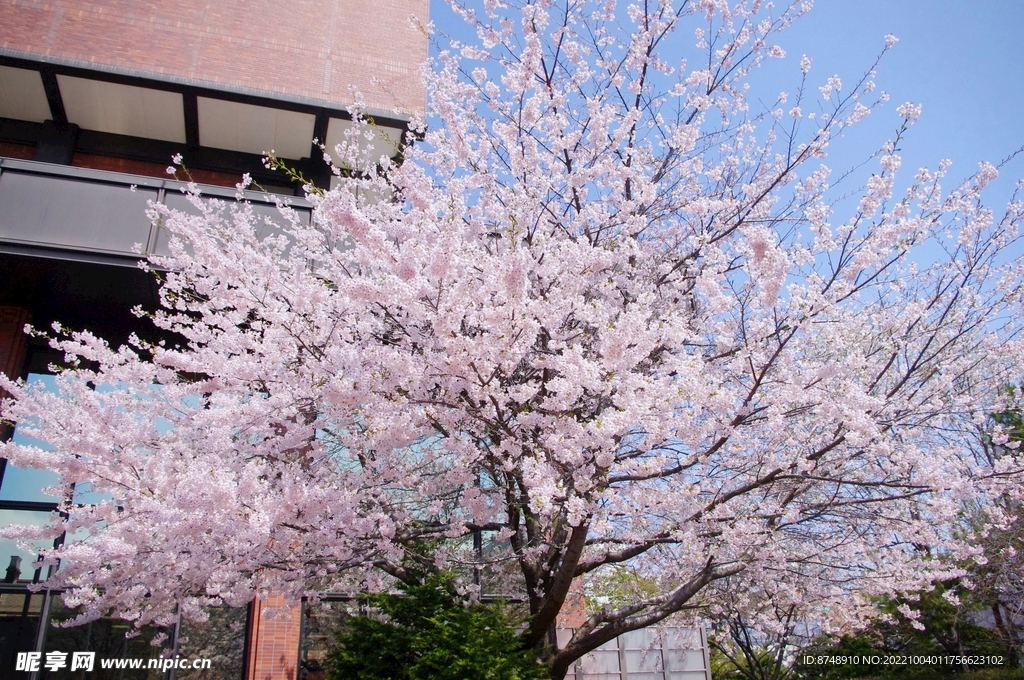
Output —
(963, 62)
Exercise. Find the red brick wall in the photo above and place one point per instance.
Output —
(14, 150)
(274, 640)
(13, 341)
(133, 167)
(574, 611)
(309, 48)
(13, 348)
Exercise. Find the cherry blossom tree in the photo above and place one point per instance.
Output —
(997, 582)
(606, 309)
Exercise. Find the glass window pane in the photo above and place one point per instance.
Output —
(107, 638)
(19, 620)
(84, 495)
(27, 484)
(647, 661)
(9, 547)
(601, 661)
(221, 639)
(321, 623)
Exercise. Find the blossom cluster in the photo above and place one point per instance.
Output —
(602, 310)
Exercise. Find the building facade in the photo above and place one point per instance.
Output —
(96, 97)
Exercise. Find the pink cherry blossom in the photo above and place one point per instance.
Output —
(615, 319)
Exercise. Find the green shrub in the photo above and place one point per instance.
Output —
(424, 633)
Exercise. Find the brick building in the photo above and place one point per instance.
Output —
(96, 97)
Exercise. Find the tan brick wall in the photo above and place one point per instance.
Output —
(307, 48)
(274, 640)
